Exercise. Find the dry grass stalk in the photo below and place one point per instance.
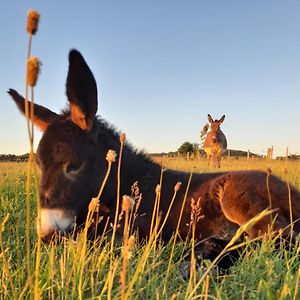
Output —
(94, 203)
(110, 157)
(137, 197)
(158, 196)
(177, 229)
(127, 205)
(269, 172)
(195, 211)
(122, 139)
(290, 204)
(176, 189)
(32, 71)
(155, 208)
(195, 217)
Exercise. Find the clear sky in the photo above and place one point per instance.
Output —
(162, 66)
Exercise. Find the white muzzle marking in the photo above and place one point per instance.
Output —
(54, 220)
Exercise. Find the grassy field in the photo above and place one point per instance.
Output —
(76, 269)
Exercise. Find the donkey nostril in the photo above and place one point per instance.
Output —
(46, 200)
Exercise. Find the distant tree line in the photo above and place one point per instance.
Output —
(194, 150)
(289, 157)
(14, 158)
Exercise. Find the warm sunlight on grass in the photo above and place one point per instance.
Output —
(75, 269)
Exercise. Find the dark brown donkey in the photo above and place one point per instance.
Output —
(215, 143)
(71, 157)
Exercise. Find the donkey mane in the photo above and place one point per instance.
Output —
(131, 154)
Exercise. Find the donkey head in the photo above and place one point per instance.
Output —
(215, 124)
(67, 154)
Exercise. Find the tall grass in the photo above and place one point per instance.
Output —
(76, 269)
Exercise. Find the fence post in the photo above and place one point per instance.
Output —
(272, 150)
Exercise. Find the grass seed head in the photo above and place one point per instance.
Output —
(33, 70)
(122, 137)
(127, 203)
(111, 156)
(177, 186)
(131, 242)
(33, 18)
(158, 189)
(93, 204)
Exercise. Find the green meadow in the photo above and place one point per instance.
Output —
(78, 269)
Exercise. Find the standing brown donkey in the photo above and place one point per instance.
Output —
(71, 157)
(215, 143)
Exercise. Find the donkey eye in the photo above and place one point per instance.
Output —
(72, 167)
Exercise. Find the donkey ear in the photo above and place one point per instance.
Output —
(42, 116)
(210, 119)
(222, 119)
(81, 91)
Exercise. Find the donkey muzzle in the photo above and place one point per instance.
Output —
(54, 221)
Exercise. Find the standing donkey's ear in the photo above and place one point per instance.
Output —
(42, 115)
(210, 119)
(81, 91)
(221, 120)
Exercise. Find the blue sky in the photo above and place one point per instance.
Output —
(162, 66)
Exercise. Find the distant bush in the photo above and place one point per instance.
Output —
(14, 158)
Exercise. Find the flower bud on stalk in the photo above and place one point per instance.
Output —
(33, 70)
(33, 18)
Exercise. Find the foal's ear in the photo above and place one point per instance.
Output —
(210, 119)
(81, 91)
(221, 120)
(42, 115)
